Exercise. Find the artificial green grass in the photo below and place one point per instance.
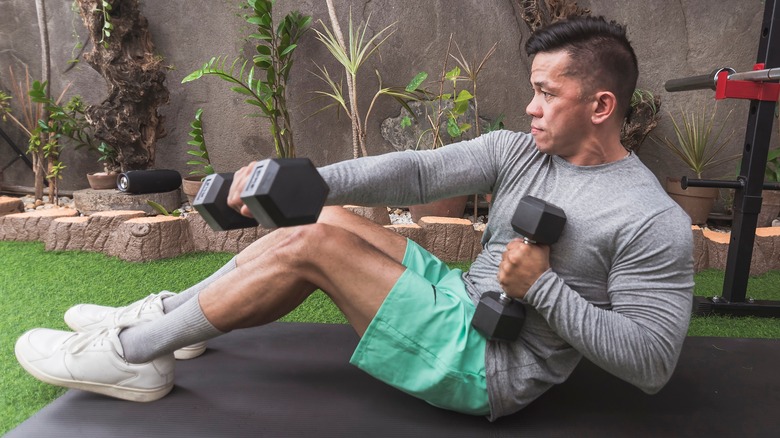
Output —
(765, 287)
(37, 287)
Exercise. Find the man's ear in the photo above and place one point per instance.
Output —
(604, 107)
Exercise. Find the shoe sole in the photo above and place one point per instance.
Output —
(190, 351)
(120, 392)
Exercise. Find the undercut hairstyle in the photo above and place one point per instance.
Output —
(599, 52)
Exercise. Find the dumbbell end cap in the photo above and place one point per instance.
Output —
(497, 321)
(210, 202)
(538, 220)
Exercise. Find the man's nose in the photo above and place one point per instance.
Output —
(532, 109)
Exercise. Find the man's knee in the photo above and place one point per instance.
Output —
(333, 214)
(316, 240)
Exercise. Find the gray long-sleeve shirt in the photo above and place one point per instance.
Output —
(620, 285)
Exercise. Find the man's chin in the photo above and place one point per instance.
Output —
(545, 149)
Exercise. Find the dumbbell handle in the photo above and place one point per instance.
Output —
(504, 298)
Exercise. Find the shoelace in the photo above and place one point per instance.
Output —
(136, 310)
(84, 340)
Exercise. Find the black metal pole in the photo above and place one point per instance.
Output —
(747, 201)
(19, 154)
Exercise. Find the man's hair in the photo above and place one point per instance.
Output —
(600, 55)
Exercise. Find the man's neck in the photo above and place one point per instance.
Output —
(593, 153)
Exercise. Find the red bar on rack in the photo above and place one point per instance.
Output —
(733, 89)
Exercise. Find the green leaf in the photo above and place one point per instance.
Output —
(460, 108)
(452, 128)
(464, 95)
(160, 209)
(287, 50)
(305, 22)
(263, 49)
(261, 36)
(255, 20)
(197, 74)
(406, 122)
(418, 79)
(452, 74)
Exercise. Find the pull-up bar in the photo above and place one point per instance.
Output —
(761, 88)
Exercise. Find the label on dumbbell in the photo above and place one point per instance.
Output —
(256, 189)
(255, 178)
(204, 189)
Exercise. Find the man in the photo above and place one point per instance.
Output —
(616, 288)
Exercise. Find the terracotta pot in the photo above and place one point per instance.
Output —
(696, 201)
(190, 186)
(449, 207)
(102, 180)
(770, 208)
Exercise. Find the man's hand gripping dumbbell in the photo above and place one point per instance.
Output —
(275, 192)
(498, 316)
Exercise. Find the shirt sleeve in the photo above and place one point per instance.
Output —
(650, 286)
(415, 177)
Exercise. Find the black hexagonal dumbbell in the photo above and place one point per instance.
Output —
(279, 193)
(498, 316)
(285, 192)
(211, 203)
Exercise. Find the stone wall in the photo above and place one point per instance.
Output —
(672, 39)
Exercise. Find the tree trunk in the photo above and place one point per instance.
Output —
(351, 92)
(39, 161)
(128, 119)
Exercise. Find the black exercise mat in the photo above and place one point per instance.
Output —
(294, 380)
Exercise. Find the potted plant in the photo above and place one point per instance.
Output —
(191, 184)
(698, 147)
(106, 179)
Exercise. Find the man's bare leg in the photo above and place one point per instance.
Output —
(385, 240)
(355, 261)
(276, 274)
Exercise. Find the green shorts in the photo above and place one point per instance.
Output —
(421, 340)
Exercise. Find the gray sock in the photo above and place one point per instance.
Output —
(181, 327)
(177, 300)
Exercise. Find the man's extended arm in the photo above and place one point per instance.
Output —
(414, 177)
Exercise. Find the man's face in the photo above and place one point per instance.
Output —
(561, 116)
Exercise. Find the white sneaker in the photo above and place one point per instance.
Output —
(93, 362)
(89, 317)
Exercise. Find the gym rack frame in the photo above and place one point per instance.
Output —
(760, 86)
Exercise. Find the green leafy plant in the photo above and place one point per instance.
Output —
(451, 107)
(105, 10)
(162, 210)
(26, 119)
(698, 143)
(69, 121)
(203, 162)
(352, 55)
(265, 81)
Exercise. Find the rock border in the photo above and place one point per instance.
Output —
(131, 235)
